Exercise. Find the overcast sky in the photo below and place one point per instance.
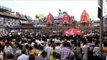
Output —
(73, 7)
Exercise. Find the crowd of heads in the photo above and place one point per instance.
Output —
(27, 41)
(18, 38)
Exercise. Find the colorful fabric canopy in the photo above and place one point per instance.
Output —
(72, 31)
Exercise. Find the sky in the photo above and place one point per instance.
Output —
(73, 7)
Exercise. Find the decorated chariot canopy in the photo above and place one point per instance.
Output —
(49, 19)
(60, 16)
(66, 19)
(84, 17)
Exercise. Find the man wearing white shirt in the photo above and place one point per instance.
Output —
(49, 50)
(85, 51)
(23, 56)
(58, 47)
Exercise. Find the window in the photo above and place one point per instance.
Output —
(5, 20)
(1, 20)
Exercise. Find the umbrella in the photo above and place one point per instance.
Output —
(72, 32)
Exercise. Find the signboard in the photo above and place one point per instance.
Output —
(102, 10)
(40, 16)
(12, 23)
(39, 23)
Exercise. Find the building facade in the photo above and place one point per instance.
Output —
(10, 20)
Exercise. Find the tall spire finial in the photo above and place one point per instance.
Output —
(59, 11)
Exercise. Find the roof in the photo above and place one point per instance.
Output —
(10, 15)
(7, 14)
(24, 27)
(5, 8)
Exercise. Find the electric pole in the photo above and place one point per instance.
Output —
(100, 2)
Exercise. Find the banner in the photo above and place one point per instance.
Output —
(12, 23)
(40, 16)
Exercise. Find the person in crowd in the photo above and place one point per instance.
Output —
(35, 50)
(18, 51)
(48, 49)
(2, 45)
(23, 56)
(43, 56)
(31, 57)
(2, 54)
(96, 51)
(105, 51)
(55, 56)
(41, 48)
(78, 52)
(65, 52)
(9, 51)
(85, 51)
(57, 48)
(1, 41)
(90, 51)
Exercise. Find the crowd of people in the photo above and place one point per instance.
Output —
(51, 46)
